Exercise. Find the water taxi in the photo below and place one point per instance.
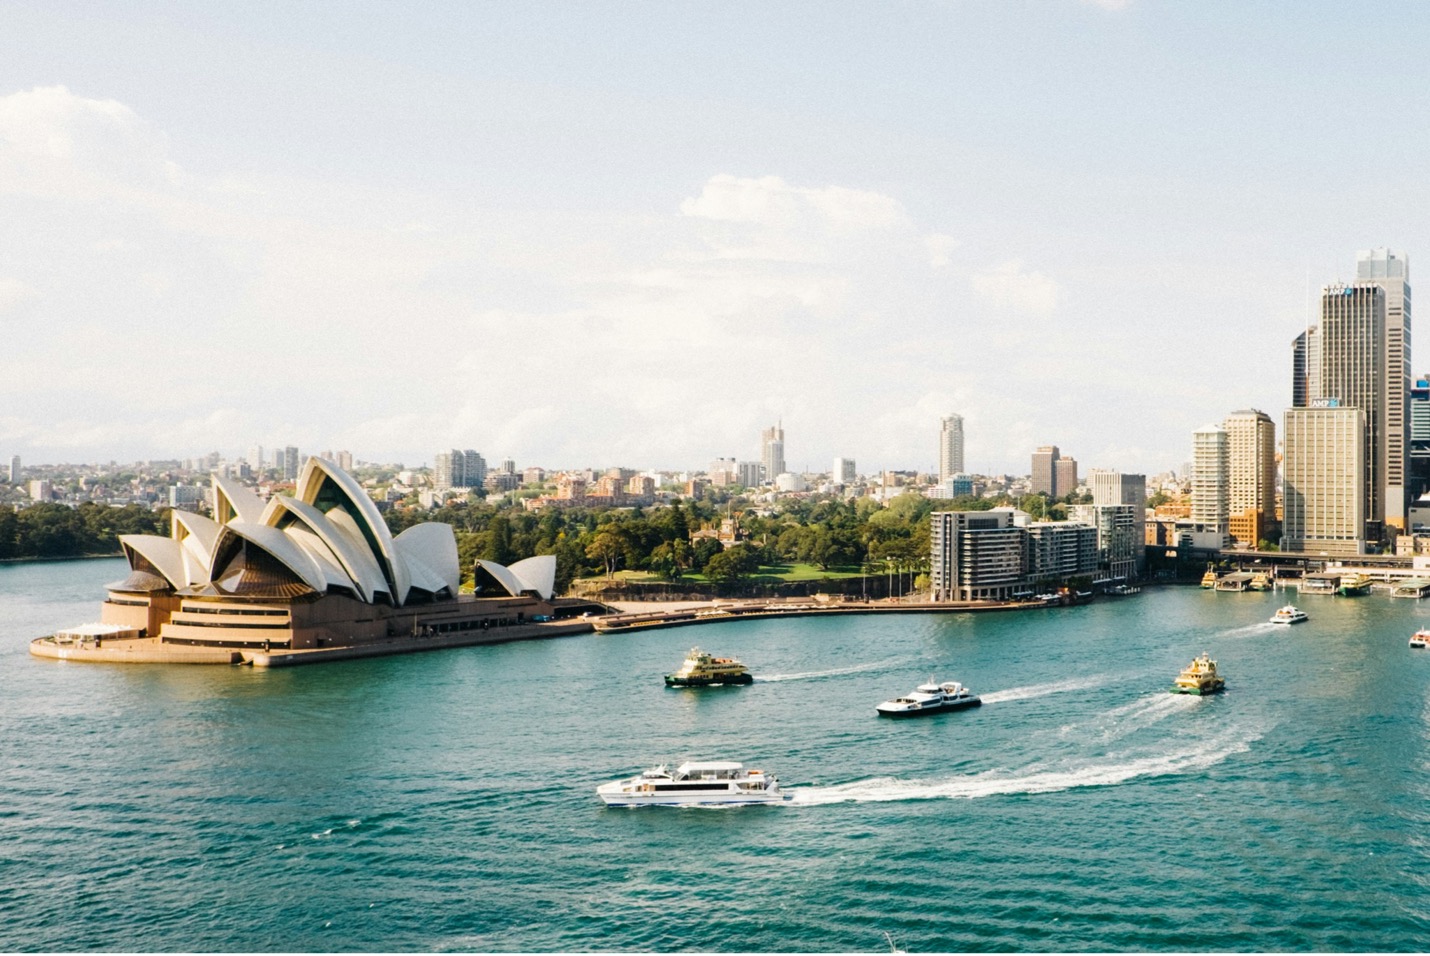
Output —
(1199, 677)
(1420, 638)
(930, 698)
(702, 669)
(1290, 614)
(694, 783)
(1354, 585)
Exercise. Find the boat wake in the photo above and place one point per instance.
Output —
(1250, 630)
(1042, 690)
(1131, 717)
(1105, 772)
(815, 675)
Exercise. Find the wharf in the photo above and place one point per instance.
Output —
(757, 610)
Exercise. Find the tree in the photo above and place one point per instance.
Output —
(607, 547)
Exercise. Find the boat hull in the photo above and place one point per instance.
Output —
(926, 711)
(1216, 688)
(619, 795)
(672, 681)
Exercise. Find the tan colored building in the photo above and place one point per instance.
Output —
(1251, 468)
(1325, 497)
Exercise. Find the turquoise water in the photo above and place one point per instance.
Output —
(446, 801)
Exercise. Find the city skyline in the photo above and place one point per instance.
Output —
(851, 220)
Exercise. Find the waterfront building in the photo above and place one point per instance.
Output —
(843, 472)
(772, 453)
(1324, 497)
(1110, 487)
(977, 555)
(950, 447)
(315, 570)
(1059, 550)
(1211, 480)
(1121, 538)
(1044, 474)
(1251, 459)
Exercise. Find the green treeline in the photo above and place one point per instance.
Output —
(58, 531)
(829, 534)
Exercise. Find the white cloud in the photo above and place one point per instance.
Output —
(14, 293)
(770, 201)
(940, 248)
(1009, 286)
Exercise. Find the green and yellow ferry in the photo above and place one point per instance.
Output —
(702, 669)
(1199, 677)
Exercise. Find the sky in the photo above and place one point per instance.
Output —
(597, 234)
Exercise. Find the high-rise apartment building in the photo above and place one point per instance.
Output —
(15, 470)
(1045, 480)
(255, 457)
(1324, 496)
(1251, 458)
(950, 447)
(1211, 480)
(1391, 272)
(843, 471)
(458, 469)
(345, 461)
(976, 555)
(772, 451)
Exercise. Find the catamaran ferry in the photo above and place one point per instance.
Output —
(929, 698)
(695, 783)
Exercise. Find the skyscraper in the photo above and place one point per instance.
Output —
(15, 470)
(1418, 468)
(772, 451)
(1305, 368)
(1324, 499)
(950, 447)
(289, 463)
(1251, 451)
(1392, 273)
(843, 471)
(1064, 476)
(1353, 357)
(1045, 479)
(1210, 478)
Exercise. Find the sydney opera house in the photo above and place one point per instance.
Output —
(314, 576)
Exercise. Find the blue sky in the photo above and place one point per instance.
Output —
(635, 234)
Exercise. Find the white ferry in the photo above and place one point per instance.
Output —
(1290, 614)
(694, 784)
(930, 698)
(1420, 638)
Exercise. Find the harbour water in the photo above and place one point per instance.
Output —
(446, 801)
